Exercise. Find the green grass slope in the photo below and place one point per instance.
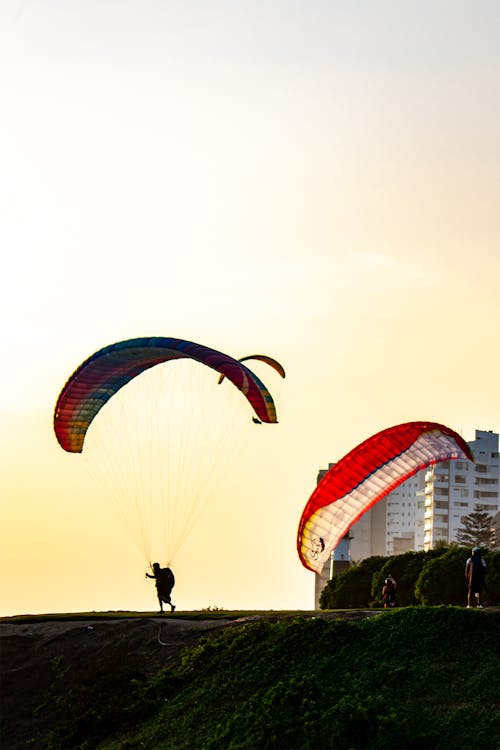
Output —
(425, 678)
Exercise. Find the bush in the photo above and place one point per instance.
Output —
(352, 588)
(442, 580)
(405, 569)
(492, 585)
(429, 578)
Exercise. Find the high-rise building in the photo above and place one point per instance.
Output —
(404, 526)
(454, 489)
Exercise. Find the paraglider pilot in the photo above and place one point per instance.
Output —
(165, 582)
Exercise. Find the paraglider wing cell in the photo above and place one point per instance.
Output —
(366, 475)
(103, 374)
(262, 358)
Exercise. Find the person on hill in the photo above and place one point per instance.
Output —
(165, 582)
(475, 574)
(389, 592)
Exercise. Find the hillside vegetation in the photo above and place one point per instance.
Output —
(416, 678)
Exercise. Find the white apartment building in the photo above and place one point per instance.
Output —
(454, 489)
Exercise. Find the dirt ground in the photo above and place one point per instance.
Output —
(40, 660)
(34, 657)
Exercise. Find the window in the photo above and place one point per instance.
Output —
(441, 477)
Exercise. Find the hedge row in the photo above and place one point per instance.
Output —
(427, 578)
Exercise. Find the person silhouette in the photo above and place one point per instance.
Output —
(475, 573)
(165, 582)
(389, 592)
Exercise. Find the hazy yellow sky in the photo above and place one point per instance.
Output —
(315, 181)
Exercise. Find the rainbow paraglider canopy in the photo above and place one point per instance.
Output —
(100, 376)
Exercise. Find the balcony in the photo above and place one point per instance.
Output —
(441, 482)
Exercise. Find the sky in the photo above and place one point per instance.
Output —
(318, 182)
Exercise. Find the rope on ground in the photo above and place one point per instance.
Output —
(164, 643)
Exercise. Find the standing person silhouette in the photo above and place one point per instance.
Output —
(165, 582)
(475, 573)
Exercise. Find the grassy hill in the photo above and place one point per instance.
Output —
(417, 677)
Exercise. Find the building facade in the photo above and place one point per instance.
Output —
(454, 489)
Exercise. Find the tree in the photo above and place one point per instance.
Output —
(492, 585)
(496, 531)
(405, 568)
(476, 530)
(352, 588)
(442, 579)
